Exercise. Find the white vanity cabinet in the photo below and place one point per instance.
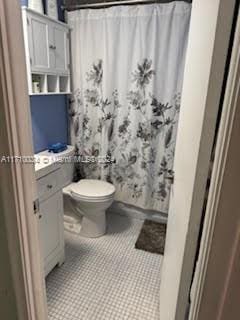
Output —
(51, 219)
(47, 53)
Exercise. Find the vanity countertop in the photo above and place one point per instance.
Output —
(44, 165)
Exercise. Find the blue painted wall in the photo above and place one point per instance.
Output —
(24, 2)
(49, 114)
(49, 121)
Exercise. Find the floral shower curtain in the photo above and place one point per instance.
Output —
(128, 66)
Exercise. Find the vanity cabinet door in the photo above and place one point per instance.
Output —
(38, 30)
(51, 230)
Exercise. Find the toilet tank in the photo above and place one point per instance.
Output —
(67, 164)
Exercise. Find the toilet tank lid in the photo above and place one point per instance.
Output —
(70, 151)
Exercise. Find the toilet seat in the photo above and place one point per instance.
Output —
(90, 189)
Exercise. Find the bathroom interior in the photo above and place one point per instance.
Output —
(105, 81)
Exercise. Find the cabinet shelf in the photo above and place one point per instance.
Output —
(64, 84)
(48, 84)
(52, 83)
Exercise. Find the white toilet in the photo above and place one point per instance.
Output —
(86, 201)
(90, 199)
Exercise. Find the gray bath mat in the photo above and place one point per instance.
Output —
(152, 237)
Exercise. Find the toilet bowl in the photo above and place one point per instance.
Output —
(86, 201)
(89, 199)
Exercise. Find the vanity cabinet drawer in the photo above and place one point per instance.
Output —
(49, 184)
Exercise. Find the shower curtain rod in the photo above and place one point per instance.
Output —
(105, 4)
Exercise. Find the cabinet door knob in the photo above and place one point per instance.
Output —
(49, 186)
(52, 47)
(40, 216)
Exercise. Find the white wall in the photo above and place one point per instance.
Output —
(208, 42)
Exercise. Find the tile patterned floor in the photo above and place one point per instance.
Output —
(106, 278)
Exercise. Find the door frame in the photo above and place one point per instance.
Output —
(17, 186)
(203, 82)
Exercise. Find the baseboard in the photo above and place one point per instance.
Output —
(137, 213)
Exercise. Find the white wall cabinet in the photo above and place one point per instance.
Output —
(51, 219)
(47, 53)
